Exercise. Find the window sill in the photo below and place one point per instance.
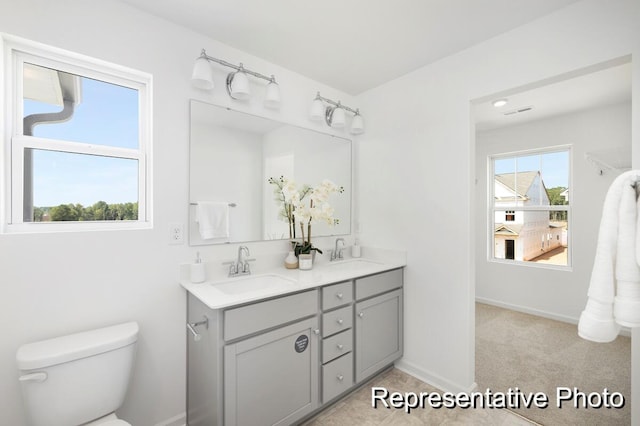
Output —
(565, 268)
(48, 227)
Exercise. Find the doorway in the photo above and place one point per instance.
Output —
(590, 110)
(509, 249)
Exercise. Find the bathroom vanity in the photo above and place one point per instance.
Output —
(277, 359)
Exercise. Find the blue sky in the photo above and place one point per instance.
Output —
(553, 166)
(106, 115)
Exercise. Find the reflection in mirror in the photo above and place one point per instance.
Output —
(233, 155)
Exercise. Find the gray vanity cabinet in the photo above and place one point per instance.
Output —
(276, 361)
(378, 322)
(272, 379)
(254, 364)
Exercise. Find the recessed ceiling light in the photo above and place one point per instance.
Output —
(500, 103)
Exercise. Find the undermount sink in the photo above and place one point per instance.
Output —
(352, 264)
(253, 283)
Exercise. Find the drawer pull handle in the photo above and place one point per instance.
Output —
(340, 377)
(340, 347)
(339, 295)
(340, 321)
(361, 314)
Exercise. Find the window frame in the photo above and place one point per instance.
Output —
(17, 51)
(492, 209)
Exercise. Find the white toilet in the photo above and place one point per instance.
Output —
(78, 379)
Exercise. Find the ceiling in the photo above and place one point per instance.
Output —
(351, 45)
(586, 90)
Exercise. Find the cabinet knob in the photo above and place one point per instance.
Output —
(316, 331)
(340, 377)
(339, 295)
(340, 321)
(361, 314)
(340, 346)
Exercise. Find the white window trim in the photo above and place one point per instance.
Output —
(15, 52)
(492, 209)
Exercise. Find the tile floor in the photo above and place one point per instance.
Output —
(355, 408)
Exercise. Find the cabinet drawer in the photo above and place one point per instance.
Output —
(337, 345)
(376, 284)
(335, 321)
(336, 295)
(337, 377)
(260, 316)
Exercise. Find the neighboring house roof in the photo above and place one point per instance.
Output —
(511, 229)
(520, 185)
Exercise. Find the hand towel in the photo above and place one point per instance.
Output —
(213, 219)
(615, 268)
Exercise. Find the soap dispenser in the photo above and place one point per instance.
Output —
(291, 261)
(355, 249)
(197, 270)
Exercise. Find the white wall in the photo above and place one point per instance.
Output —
(418, 156)
(53, 284)
(553, 293)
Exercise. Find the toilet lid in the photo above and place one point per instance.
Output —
(115, 422)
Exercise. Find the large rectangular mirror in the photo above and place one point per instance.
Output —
(233, 155)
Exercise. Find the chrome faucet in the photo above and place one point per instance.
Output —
(336, 254)
(241, 266)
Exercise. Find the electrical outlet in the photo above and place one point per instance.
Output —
(176, 233)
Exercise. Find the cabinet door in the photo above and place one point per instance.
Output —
(378, 327)
(272, 379)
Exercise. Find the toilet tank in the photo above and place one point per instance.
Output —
(77, 378)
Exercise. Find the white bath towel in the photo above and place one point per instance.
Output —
(615, 277)
(213, 219)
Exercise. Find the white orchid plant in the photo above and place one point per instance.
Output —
(303, 206)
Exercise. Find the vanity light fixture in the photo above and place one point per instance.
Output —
(237, 82)
(500, 102)
(334, 114)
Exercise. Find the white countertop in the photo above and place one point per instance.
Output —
(220, 291)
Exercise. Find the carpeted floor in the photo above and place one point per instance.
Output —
(538, 355)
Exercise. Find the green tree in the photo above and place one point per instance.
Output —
(38, 212)
(554, 196)
(556, 199)
(64, 212)
(77, 212)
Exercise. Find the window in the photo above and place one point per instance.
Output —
(78, 150)
(529, 207)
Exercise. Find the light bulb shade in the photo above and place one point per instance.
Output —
(202, 77)
(272, 95)
(238, 85)
(357, 125)
(335, 117)
(316, 113)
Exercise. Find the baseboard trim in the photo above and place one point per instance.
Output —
(178, 420)
(433, 379)
(624, 331)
